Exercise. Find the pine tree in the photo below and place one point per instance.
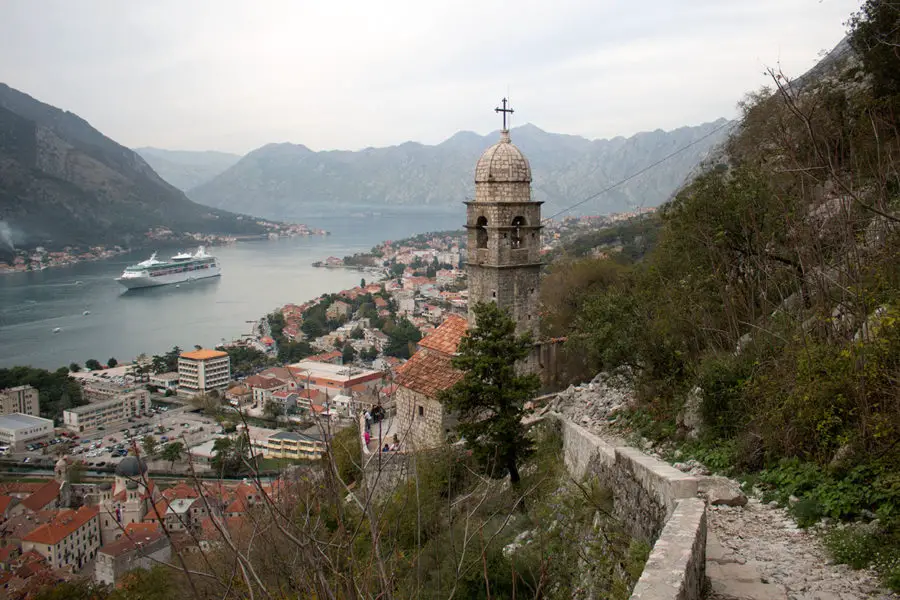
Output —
(490, 397)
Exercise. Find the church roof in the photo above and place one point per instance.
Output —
(503, 163)
(428, 372)
(131, 466)
(447, 336)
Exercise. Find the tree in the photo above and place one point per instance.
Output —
(92, 364)
(490, 397)
(150, 445)
(348, 354)
(362, 282)
(74, 367)
(111, 362)
(230, 454)
(172, 452)
(272, 409)
(402, 336)
(141, 584)
(158, 364)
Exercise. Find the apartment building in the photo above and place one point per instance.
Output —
(18, 430)
(70, 540)
(200, 371)
(289, 444)
(21, 399)
(107, 412)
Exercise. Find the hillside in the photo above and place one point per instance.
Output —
(62, 182)
(186, 169)
(288, 180)
(763, 328)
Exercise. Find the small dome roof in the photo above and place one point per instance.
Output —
(131, 466)
(503, 163)
(105, 486)
(131, 485)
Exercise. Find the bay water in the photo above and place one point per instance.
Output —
(257, 277)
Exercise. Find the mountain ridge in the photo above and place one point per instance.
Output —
(62, 182)
(287, 180)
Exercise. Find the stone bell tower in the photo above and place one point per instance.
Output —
(504, 234)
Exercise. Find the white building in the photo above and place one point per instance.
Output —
(166, 381)
(203, 370)
(21, 399)
(70, 540)
(18, 430)
(105, 412)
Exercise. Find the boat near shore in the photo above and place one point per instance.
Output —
(180, 268)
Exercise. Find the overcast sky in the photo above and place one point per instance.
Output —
(233, 75)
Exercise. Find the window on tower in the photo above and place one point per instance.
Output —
(517, 239)
(481, 235)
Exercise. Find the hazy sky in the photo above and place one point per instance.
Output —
(236, 74)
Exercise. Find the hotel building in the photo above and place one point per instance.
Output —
(22, 399)
(203, 370)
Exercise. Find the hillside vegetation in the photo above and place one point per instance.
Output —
(769, 303)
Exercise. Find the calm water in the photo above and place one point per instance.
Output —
(256, 278)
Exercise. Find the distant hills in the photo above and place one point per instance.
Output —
(292, 181)
(187, 169)
(62, 182)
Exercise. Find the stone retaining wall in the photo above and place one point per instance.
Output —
(656, 502)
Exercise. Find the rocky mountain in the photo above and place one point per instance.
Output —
(288, 180)
(187, 169)
(62, 182)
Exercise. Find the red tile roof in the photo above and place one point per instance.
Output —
(18, 487)
(66, 522)
(130, 542)
(428, 372)
(266, 383)
(5, 503)
(325, 356)
(46, 494)
(7, 551)
(446, 338)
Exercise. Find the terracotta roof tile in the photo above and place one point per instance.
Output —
(203, 354)
(428, 372)
(446, 338)
(5, 503)
(42, 497)
(66, 522)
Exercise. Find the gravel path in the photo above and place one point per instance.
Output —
(754, 552)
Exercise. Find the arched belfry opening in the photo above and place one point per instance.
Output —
(481, 234)
(518, 237)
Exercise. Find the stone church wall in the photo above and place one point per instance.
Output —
(422, 421)
(656, 502)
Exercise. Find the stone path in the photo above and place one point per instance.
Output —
(755, 551)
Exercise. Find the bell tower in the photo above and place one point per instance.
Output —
(504, 234)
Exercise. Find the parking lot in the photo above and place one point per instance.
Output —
(108, 445)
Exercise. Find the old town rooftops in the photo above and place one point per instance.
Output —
(66, 522)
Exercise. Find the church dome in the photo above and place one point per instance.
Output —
(131, 466)
(503, 163)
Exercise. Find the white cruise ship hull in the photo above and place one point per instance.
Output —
(144, 280)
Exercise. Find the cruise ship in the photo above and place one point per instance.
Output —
(181, 267)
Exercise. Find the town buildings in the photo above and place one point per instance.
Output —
(165, 381)
(106, 412)
(334, 378)
(139, 548)
(17, 430)
(200, 371)
(70, 540)
(22, 399)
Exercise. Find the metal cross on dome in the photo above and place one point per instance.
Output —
(504, 110)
